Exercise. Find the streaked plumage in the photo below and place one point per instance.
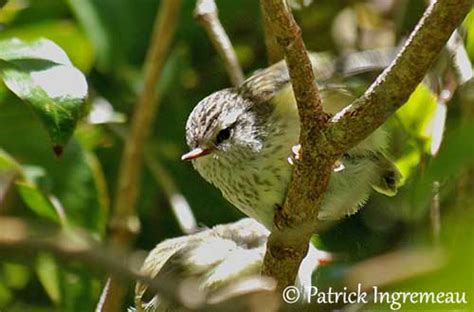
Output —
(249, 131)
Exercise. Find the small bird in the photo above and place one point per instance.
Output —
(209, 262)
(214, 266)
(240, 140)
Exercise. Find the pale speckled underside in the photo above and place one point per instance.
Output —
(252, 169)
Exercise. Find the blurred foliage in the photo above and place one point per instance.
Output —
(107, 41)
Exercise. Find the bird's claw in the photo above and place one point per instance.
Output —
(338, 166)
(295, 154)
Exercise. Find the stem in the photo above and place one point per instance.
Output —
(274, 52)
(207, 15)
(393, 87)
(124, 222)
(24, 241)
(181, 208)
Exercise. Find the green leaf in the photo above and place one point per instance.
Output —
(16, 276)
(408, 162)
(28, 183)
(7, 163)
(37, 201)
(417, 113)
(41, 74)
(48, 274)
(65, 34)
(469, 25)
(71, 180)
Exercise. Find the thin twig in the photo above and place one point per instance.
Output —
(458, 71)
(274, 52)
(390, 268)
(124, 222)
(393, 87)
(180, 206)
(207, 15)
(23, 241)
(435, 213)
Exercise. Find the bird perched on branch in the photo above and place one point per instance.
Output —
(240, 140)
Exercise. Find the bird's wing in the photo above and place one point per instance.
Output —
(158, 258)
(264, 84)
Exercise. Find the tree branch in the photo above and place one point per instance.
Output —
(393, 87)
(322, 142)
(207, 15)
(274, 52)
(21, 240)
(124, 222)
(288, 244)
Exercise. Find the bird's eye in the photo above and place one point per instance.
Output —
(223, 135)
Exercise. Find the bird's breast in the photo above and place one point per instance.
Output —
(255, 181)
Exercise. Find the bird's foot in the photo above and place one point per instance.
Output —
(338, 166)
(295, 154)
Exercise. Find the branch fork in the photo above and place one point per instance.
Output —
(323, 140)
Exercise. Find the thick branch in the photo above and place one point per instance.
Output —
(393, 87)
(207, 15)
(124, 221)
(294, 223)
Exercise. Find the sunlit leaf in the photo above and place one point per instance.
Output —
(10, 9)
(407, 162)
(7, 163)
(417, 113)
(47, 271)
(469, 24)
(41, 74)
(65, 34)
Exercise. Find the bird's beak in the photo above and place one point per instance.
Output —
(196, 153)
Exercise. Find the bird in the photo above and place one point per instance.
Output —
(241, 138)
(216, 265)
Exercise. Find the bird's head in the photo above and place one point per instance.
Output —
(224, 124)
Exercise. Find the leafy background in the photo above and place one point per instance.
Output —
(107, 41)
